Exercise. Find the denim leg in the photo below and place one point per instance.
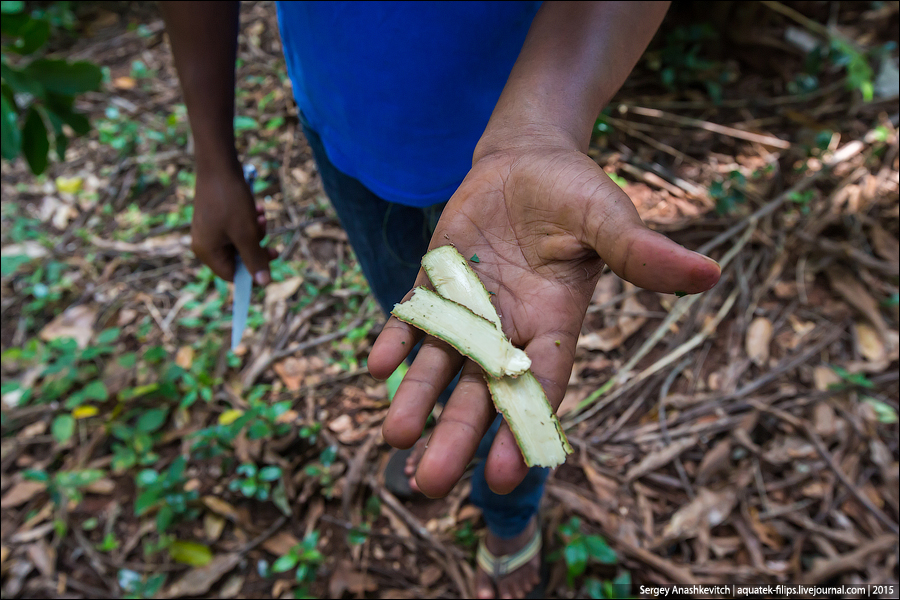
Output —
(508, 515)
(389, 241)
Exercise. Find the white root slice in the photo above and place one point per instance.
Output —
(470, 334)
(454, 279)
(531, 419)
(521, 400)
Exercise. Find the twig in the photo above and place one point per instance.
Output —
(663, 392)
(767, 140)
(851, 561)
(832, 464)
(862, 498)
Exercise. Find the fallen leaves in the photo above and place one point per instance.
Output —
(75, 322)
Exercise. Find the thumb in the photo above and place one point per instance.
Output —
(637, 254)
(255, 257)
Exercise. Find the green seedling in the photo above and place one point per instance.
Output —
(253, 482)
(306, 559)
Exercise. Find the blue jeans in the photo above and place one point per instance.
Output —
(389, 241)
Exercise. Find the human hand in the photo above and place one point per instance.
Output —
(542, 220)
(225, 220)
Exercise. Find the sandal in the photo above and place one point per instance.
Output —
(500, 566)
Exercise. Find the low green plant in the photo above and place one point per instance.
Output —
(305, 558)
(36, 91)
(254, 482)
(136, 585)
(165, 492)
(580, 550)
(727, 193)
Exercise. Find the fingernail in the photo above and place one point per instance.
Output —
(262, 278)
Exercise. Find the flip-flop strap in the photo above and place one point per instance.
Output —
(499, 566)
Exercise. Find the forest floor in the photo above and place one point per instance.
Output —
(747, 435)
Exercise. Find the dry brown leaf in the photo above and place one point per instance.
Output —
(824, 420)
(430, 575)
(610, 338)
(184, 358)
(124, 83)
(213, 526)
(347, 579)
(292, 371)
(76, 322)
(766, 532)
(660, 457)
(788, 450)
(715, 461)
(319, 230)
(885, 244)
(232, 587)
(282, 290)
(21, 493)
(43, 556)
(280, 543)
(103, 487)
(816, 489)
(220, 507)
(824, 377)
(4, 554)
(603, 486)
(197, 581)
(341, 424)
(707, 509)
(869, 342)
(30, 248)
(759, 336)
(855, 293)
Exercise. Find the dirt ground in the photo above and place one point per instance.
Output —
(745, 435)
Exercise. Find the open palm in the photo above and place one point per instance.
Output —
(542, 222)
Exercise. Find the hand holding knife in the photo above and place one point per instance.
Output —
(243, 282)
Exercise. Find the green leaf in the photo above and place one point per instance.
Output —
(11, 136)
(285, 563)
(475, 258)
(152, 420)
(242, 123)
(576, 555)
(248, 487)
(35, 144)
(356, 537)
(270, 473)
(95, 390)
(884, 412)
(10, 7)
(32, 35)
(63, 428)
(600, 550)
(108, 336)
(145, 501)
(393, 382)
(64, 77)
(146, 478)
(190, 553)
(622, 585)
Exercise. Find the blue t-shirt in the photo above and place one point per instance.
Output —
(400, 92)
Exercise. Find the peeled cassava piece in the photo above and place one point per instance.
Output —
(520, 399)
(474, 336)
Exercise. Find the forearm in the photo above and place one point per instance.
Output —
(575, 58)
(203, 36)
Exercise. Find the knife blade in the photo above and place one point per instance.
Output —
(243, 283)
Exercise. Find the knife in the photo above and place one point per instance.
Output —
(243, 282)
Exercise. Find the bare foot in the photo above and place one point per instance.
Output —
(412, 462)
(518, 583)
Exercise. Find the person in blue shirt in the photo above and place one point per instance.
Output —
(448, 122)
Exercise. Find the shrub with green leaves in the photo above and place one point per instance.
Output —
(37, 91)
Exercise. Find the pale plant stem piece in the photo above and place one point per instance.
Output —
(468, 333)
(521, 400)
